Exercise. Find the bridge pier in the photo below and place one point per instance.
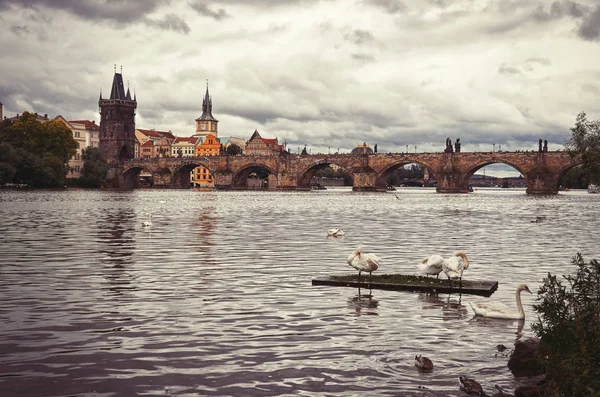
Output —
(223, 179)
(451, 182)
(115, 176)
(364, 181)
(541, 183)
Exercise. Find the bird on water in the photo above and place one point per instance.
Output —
(148, 223)
(499, 309)
(470, 386)
(335, 232)
(363, 262)
(423, 363)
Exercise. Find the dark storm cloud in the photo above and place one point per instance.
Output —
(590, 27)
(391, 6)
(363, 57)
(169, 22)
(119, 11)
(202, 8)
(510, 70)
(20, 31)
(560, 9)
(358, 36)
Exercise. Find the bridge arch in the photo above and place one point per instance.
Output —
(562, 171)
(158, 176)
(240, 176)
(181, 174)
(468, 174)
(383, 176)
(308, 173)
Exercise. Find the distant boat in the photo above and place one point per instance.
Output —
(593, 188)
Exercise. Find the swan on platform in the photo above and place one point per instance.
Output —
(423, 363)
(363, 262)
(148, 223)
(431, 265)
(500, 310)
(454, 266)
(335, 232)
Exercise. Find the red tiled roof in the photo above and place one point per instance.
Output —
(270, 142)
(157, 134)
(88, 124)
(148, 143)
(190, 139)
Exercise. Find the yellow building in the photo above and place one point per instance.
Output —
(210, 146)
(208, 143)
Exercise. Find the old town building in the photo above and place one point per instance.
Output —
(259, 146)
(117, 122)
(85, 133)
(207, 130)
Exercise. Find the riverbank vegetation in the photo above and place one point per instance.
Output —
(585, 142)
(569, 330)
(34, 153)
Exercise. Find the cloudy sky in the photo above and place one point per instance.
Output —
(325, 73)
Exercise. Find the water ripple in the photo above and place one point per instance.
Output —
(216, 298)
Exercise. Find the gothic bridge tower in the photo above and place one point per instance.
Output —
(117, 129)
(117, 122)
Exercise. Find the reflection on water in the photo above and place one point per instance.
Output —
(216, 297)
(363, 304)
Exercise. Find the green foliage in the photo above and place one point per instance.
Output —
(575, 178)
(39, 151)
(569, 328)
(233, 150)
(95, 168)
(585, 142)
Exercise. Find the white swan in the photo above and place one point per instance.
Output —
(335, 232)
(454, 266)
(363, 262)
(431, 265)
(500, 310)
(148, 223)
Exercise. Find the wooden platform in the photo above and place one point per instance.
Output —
(405, 282)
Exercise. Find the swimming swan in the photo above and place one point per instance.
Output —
(363, 262)
(500, 310)
(454, 266)
(335, 232)
(148, 223)
(431, 265)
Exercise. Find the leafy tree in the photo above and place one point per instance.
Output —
(569, 328)
(585, 142)
(233, 150)
(41, 147)
(574, 179)
(59, 140)
(95, 167)
(8, 163)
(32, 171)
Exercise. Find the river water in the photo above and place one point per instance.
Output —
(215, 299)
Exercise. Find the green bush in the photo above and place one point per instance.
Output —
(568, 326)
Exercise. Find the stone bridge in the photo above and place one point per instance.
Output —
(369, 172)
